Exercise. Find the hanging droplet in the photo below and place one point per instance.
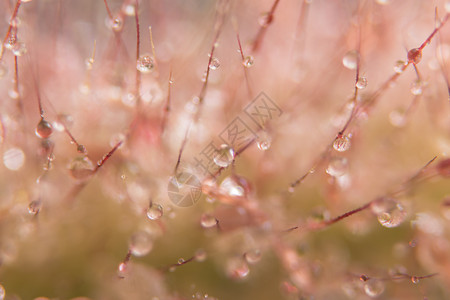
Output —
(373, 288)
(145, 64)
(89, 63)
(390, 213)
(3, 69)
(2, 292)
(208, 221)
(141, 243)
(253, 256)
(337, 166)
(44, 129)
(181, 261)
(214, 64)
(350, 59)
(415, 55)
(81, 168)
(342, 143)
(417, 87)
(34, 207)
(237, 268)
(264, 141)
(224, 156)
(10, 42)
(19, 49)
(361, 83)
(155, 211)
(116, 24)
(234, 186)
(415, 279)
(398, 66)
(265, 19)
(13, 159)
(249, 61)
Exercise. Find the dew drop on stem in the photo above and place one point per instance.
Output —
(81, 168)
(350, 59)
(215, 63)
(145, 64)
(34, 207)
(208, 221)
(415, 55)
(361, 83)
(337, 166)
(155, 211)
(141, 243)
(342, 143)
(248, 61)
(390, 213)
(44, 129)
(373, 288)
(19, 49)
(398, 66)
(224, 156)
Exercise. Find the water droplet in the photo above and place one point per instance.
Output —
(116, 24)
(415, 279)
(342, 143)
(181, 261)
(264, 141)
(82, 149)
(215, 63)
(2, 292)
(141, 243)
(397, 118)
(44, 129)
(350, 59)
(398, 66)
(364, 277)
(233, 186)
(237, 268)
(361, 83)
(145, 64)
(417, 87)
(3, 69)
(81, 168)
(200, 255)
(253, 256)
(265, 19)
(122, 270)
(208, 221)
(337, 166)
(89, 63)
(34, 207)
(374, 288)
(249, 61)
(155, 211)
(390, 213)
(10, 42)
(224, 156)
(19, 49)
(129, 10)
(415, 55)
(13, 159)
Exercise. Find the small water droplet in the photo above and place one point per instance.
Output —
(155, 211)
(141, 243)
(19, 49)
(81, 168)
(44, 129)
(10, 42)
(215, 63)
(89, 63)
(82, 149)
(390, 213)
(415, 279)
(34, 207)
(417, 87)
(264, 141)
(129, 10)
(397, 118)
(350, 59)
(415, 55)
(13, 159)
(265, 19)
(208, 221)
(234, 186)
(181, 261)
(342, 143)
(116, 24)
(374, 288)
(224, 156)
(145, 64)
(237, 268)
(253, 256)
(249, 61)
(361, 83)
(122, 270)
(337, 166)
(398, 66)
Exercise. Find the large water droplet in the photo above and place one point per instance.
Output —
(155, 211)
(44, 129)
(13, 159)
(81, 167)
(337, 166)
(342, 143)
(350, 59)
(390, 213)
(145, 64)
(34, 207)
(253, 256)
(373, 288)
(224, 156)
(141, 243)
(208, 221)
(234, 186)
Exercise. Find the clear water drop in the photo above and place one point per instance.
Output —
(234, 186)
(141, 243)
(253, 256)
(44, 129)
(82, 149)
(373, 288)
(390, 213)
(89, 62)
(415, 55)
(224, 156)
(350, 59)
(155, 211)
(417, 87)
(342, 143)
(398, 66)
(415, 279)
(337, 166)
(208, 221)
(264, 141)
(361, 83)
(116, 24)
(145, 64)
(122, 270)
(249, 61)
(237, 268)
(181, 261)
(19, 49)
(34, 207)
(81, 168)
(13, 159)
(214, 64)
